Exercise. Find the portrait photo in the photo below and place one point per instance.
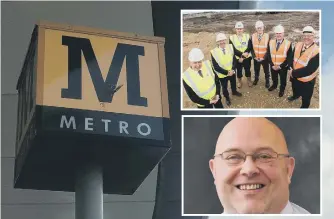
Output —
(251, 165)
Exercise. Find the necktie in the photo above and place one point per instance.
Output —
(278, 43)
(259, 37)
(223, 50)
(303, 50)
(200, 73)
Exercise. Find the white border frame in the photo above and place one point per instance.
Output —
(182, 12)
(233, 116)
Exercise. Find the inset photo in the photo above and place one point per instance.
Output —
(250, 59)
(245, 165)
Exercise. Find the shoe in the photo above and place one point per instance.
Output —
(281, 93)
(228, 101)
(255, 81)
(239, 84)
(272, 88)
(249, 81)
(267, 84)
(292, 98)
(236, 93)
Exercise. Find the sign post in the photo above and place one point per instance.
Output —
(93, 113)
(89, 192)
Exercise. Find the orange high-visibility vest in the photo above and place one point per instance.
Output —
(260, 47)
(279, 56)
(301, 61)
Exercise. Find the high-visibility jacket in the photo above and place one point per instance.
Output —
(260, 47)
(204, 87)
(301, 61)
(225, 61)
(279, 56)
(240, 45)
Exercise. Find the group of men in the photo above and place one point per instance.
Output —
(203, 79)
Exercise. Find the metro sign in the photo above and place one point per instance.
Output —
(103, 74)
(98, 87)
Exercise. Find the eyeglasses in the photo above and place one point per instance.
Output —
(260, 157)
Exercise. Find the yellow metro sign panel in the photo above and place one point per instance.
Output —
(101, 82)
(101, 71)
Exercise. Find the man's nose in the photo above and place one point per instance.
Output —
(249, 168)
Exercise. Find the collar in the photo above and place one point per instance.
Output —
(286, 210)
(308, 46)
(280, 41)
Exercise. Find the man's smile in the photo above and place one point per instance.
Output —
(253, 186)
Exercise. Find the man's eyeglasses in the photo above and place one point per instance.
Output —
(239, 157)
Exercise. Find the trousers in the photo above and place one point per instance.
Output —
(282, 74)
(246, 64)
(265, 66)
(224, 83)
(304, 90)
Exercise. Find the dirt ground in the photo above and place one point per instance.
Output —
(199, 30)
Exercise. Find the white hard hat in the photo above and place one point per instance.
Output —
(220, 36)
(239, 25)
(308, 29)
(259, 24)
(279, 29)
(195, 55)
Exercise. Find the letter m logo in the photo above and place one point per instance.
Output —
(105, 89)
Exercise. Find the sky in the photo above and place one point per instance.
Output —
(327, 98)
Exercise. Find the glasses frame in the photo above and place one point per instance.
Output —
(252, 155)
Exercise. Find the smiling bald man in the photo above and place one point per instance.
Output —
(252, 168)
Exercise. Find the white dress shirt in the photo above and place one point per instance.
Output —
(290, 208)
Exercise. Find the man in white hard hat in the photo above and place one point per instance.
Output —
(241, 46)
(259, 49)
(305, 68)
(224, 65)
(200, 82)
(279, 56)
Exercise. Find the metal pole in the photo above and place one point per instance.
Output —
(89, 192)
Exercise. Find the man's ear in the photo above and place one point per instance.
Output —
(291, 167)
(212, 167)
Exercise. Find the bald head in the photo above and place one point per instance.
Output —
(250, 136)
(250, 133)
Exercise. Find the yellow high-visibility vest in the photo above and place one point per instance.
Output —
(301, 61)
(225, 61)
(204, 87)
(240, 45)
